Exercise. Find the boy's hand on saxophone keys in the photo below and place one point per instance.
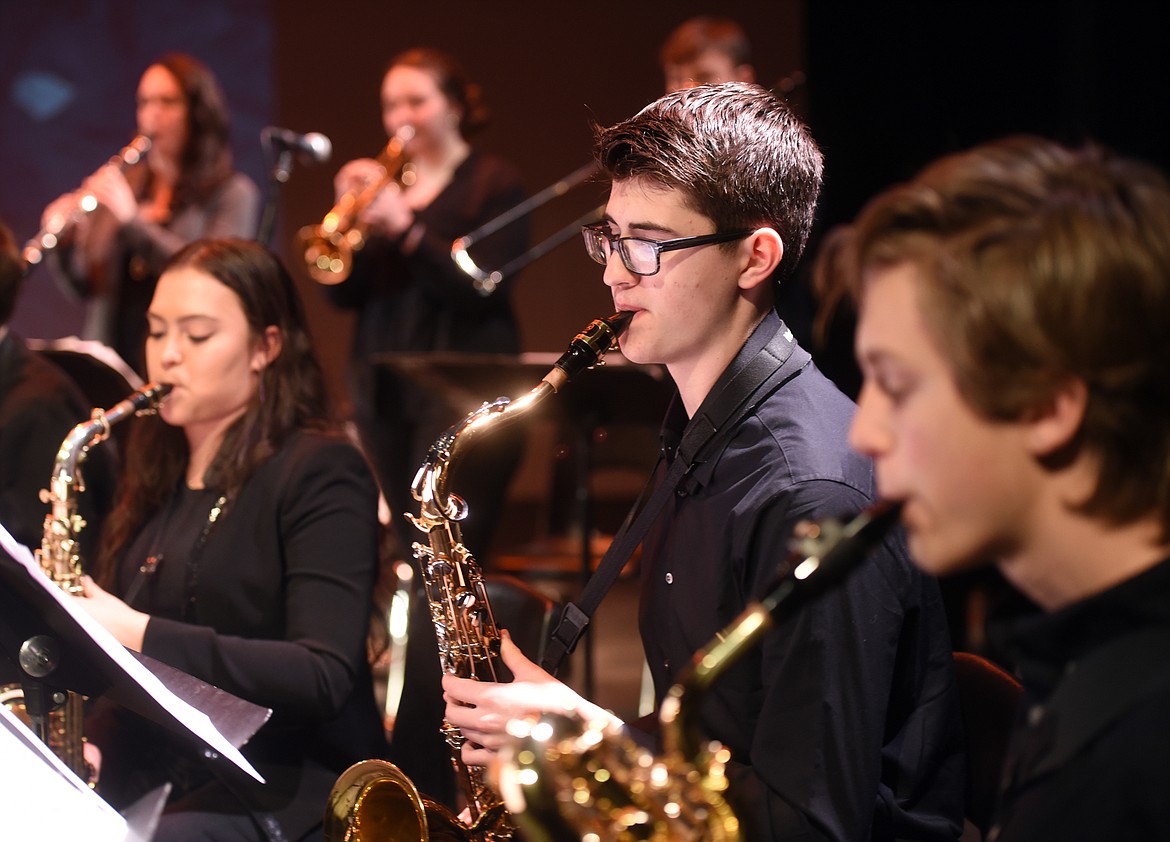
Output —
(482, 709)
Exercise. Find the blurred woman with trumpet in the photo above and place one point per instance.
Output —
(243, 551)
(184, 188)
(409, 295)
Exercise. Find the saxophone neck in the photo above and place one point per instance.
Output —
(66, 478)
(430, 487)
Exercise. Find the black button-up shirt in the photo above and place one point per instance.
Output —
(1115, 784)
(843, 724)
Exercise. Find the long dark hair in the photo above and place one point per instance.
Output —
(291, 395)
(206, 160)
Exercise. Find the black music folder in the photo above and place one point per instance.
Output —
(85, 658)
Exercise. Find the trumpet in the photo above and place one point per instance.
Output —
(485, 281)
(49, 237)
(328, 248)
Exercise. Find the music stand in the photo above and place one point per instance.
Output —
(616, 392)
(96, 368)
(41, 798)
(61, 648)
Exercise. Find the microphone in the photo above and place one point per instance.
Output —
(313, 146)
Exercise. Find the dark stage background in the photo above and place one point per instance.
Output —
(888, 88)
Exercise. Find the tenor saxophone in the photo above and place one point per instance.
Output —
(61, 727)
(566, 777)
(373, 800)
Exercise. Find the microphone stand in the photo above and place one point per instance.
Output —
(281, 170)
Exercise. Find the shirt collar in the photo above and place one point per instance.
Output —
(1041, 644)
(676, 420)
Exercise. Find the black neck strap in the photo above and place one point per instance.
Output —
(767, 370)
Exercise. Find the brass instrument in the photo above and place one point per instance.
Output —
(563, 777)
(61, 728)
(328, 248)
(49, 237)
(485, 281)
(375, 795)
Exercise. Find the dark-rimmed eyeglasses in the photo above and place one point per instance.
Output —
(642, 256)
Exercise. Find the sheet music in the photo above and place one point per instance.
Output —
(40, 798)
(195, 720)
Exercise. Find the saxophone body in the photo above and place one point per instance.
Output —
(566, 777)
(61, 727)
(374, 795)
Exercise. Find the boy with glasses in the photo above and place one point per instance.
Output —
(1014, 314)
(843, 723)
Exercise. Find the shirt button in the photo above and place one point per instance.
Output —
(670, 578)
(1035, 714)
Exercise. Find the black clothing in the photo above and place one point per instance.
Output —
(39, 405)
(272, 604)
(1115, 785)
(844, 723)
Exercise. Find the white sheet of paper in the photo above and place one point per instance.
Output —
(40, 798)
(195, 720)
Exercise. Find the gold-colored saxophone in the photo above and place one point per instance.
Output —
(49, 237)
(565, 777)
(327, 249)
(374, 801)
(59, 557)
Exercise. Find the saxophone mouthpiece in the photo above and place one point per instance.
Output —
(588, 347)
(150, 396)
(619, 321)
(143, 402)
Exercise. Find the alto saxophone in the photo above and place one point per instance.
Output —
(61, 726)
(374, 800)
(567, 778)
